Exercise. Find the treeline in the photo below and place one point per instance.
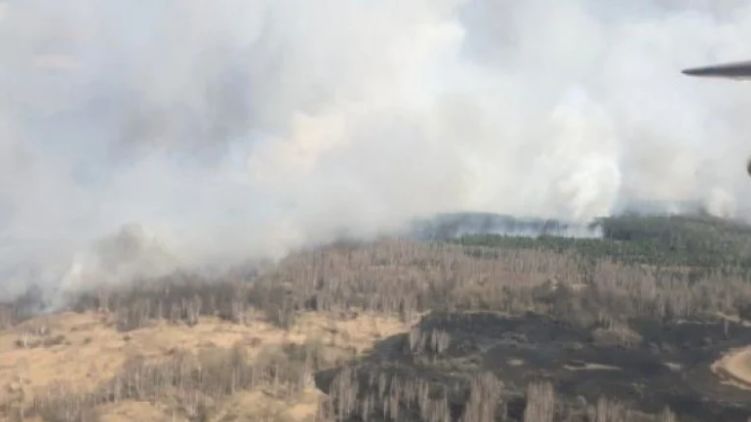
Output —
(184, 298)
(701, 242)
(376, 394)
(401, 277)
(392, 276)
(655, 267)
(404, 277)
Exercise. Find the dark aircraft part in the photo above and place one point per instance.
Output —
(740, 70)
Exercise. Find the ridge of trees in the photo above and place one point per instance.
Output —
(701, 242)
(405, 278)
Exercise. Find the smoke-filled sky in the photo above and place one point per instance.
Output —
(140, 136)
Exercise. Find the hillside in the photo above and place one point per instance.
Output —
(649, 322)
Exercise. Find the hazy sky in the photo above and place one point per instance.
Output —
(139, 136)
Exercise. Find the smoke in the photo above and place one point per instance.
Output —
(235, 129)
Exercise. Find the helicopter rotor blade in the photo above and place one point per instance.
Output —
(739, 70)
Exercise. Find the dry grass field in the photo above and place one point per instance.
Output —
(79, 351)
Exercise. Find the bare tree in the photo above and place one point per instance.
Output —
(540, 402)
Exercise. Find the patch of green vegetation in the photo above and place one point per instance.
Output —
(690, 241)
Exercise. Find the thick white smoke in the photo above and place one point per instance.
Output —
(233, 129)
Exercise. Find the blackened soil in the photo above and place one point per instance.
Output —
(670, 366)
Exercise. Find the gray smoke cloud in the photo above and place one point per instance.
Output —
(207, 132)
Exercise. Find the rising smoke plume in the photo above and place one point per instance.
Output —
(213, 131)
